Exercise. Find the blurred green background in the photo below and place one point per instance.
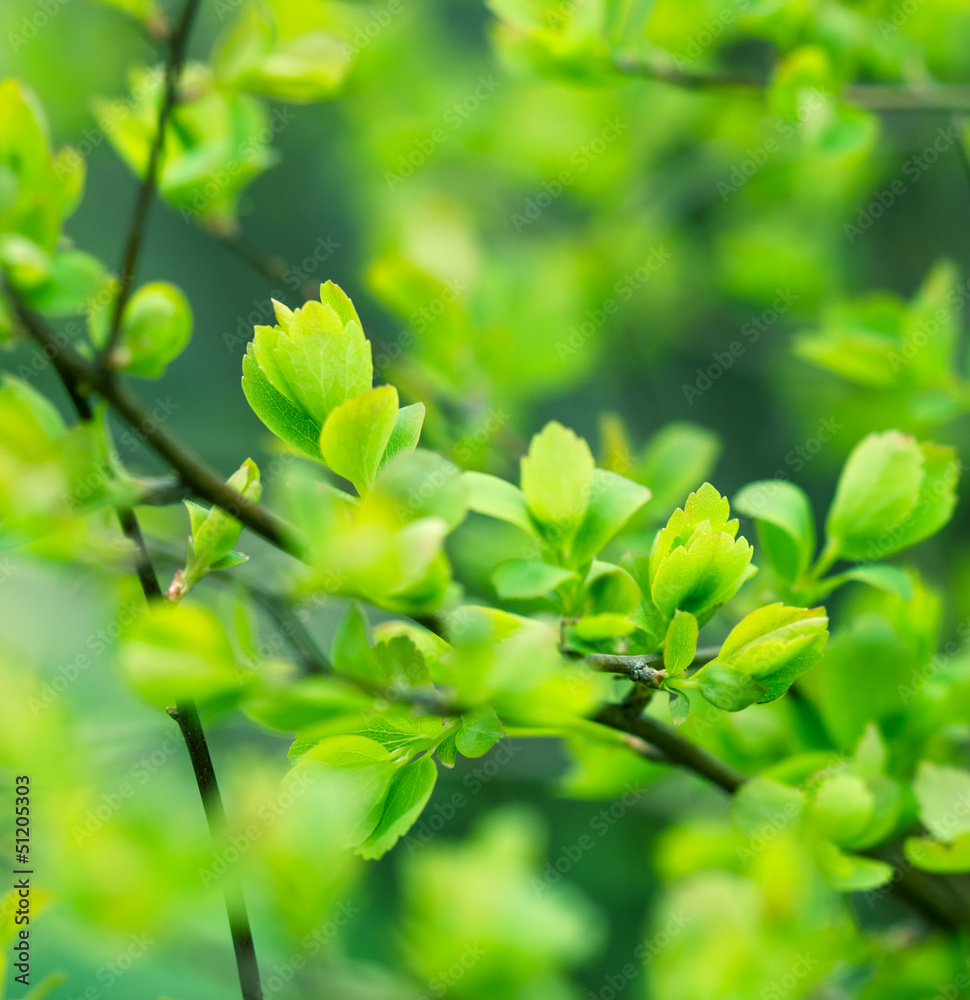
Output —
(430, 188)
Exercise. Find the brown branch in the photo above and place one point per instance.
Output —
(129, 264)
(186, 714)
(936, 897)
(193, 472)
(677, 749)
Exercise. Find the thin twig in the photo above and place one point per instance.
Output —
(204, 481)
(675, 747)
(645, 668)
(136, 232)
(938, 98)
(186, 714)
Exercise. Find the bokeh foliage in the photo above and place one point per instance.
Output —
(598, 249)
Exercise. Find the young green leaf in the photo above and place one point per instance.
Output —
(726, 687)
(522, 579)
(775, 644)
(315, 358)
(786, 524)
(155, 328)
(496, 498)
(480, 731)
(407, 795)
(355, 435)
(352, 652)
(406, 433)
(680, 644)
(557, 479)
(943, 794)
(613, 501)
(893, 492)
(286, 420)
(214, 533)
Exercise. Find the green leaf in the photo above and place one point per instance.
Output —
(842, 808)
(891, 579)
(943, 859)
(356, 433)
(480, 731)
(287, 421)
(366, 769)
(401, 665)
(317, 357)
(603, 626)
(155, 328)
(727, 688)
(254, 54)
(934, 504)
(610, 589)
(850, 872)
(407, 796)
(613, 501)
(448, 751)
(214, 533)
(406, 433)
(775, 644)
(943, 794)
(680, 644)
(557, 479)
(72, 279)
(352, 652)
(892, 493)
(218, 143)
(678, 704)
(496, 498)
(761, 807)
(701, 575)
(786, 524)
(522, 579)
